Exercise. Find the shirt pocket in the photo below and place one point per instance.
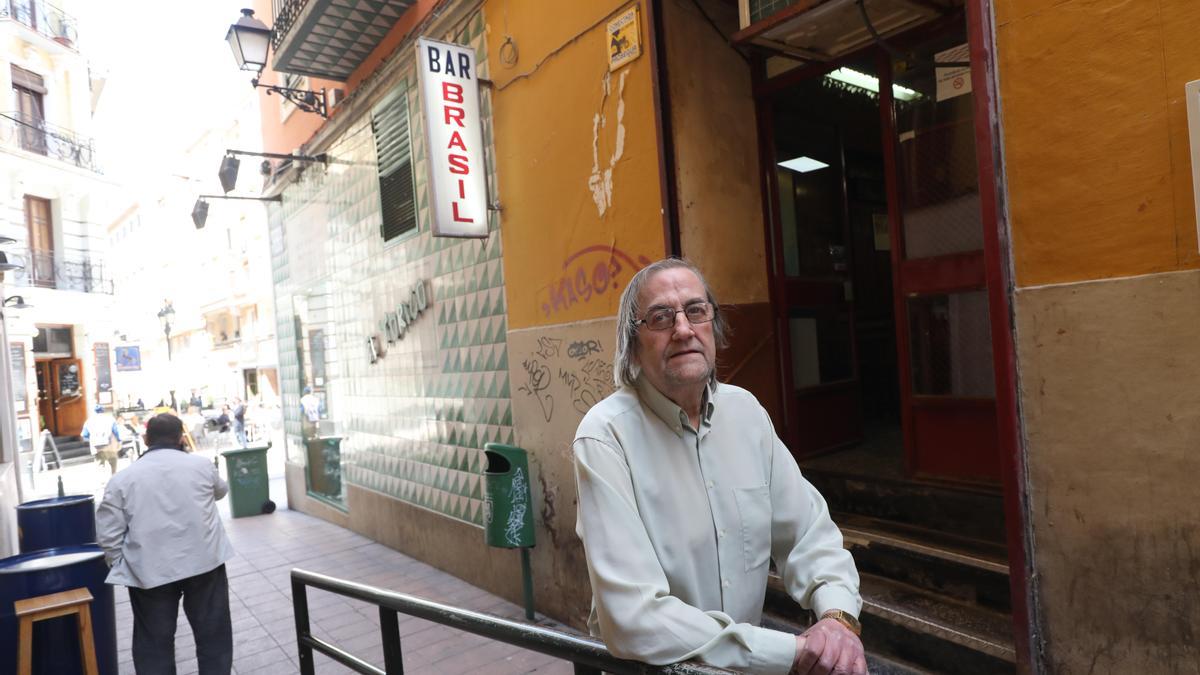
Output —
(754, 509)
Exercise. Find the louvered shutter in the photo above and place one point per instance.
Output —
(389, 122)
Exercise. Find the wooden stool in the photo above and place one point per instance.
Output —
(75, 601)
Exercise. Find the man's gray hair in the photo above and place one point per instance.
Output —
(625, 367)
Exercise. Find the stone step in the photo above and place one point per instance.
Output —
(915, 629)
(966, 570)
(965, 512)
(71, 449)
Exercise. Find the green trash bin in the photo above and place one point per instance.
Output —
(507, 511)
(249, 489)
(508, 508)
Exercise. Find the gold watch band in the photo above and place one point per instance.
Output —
(845, 618)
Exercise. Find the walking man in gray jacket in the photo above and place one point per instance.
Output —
(161, 533)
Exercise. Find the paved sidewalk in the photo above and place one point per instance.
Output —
(264, 632)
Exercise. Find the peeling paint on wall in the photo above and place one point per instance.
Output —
(562, 189)
(601, 183)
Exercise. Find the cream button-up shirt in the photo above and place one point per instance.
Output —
(679, 525)
(158, 521)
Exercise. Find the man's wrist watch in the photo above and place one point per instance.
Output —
(845, 618)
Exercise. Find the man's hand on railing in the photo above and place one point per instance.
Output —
(829, 647)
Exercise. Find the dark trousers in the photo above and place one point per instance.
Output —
(156, 610)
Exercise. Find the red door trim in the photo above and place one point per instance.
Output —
(887, 124)
(776, 290)
(943, 274)
(997, 266)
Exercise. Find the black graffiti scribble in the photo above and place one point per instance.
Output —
(538, 381)
(548, 347)
(582, 348)
(589, 384)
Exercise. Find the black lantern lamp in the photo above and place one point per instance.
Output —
(200, 213)
(228, 172)
(249, 40)
(200, 208)
(6, 266)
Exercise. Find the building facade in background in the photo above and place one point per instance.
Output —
(959, 262)
(54, 207)
(212, 288)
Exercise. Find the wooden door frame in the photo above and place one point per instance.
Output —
(997, 256)
(997, 261)
(38, 364)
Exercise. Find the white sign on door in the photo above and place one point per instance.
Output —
(453, 138)
(955, 80)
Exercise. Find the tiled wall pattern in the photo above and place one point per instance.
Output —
(415, 422)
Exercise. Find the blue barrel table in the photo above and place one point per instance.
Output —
(60, 521)
(56, 641)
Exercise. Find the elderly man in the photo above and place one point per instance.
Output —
(686, 494)
(161, 533)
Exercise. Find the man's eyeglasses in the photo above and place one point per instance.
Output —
(663, 318)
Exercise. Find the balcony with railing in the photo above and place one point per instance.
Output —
(44, 18)
(46, 269)
(330, 38)
(32, 134)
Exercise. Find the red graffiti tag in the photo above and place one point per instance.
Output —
(586, 274)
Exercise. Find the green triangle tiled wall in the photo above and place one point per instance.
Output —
(415, 423)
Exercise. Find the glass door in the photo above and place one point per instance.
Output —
(942, 326)
(813, 269)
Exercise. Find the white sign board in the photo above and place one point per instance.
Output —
(1191, 92)
(453, 139)
(956, 80)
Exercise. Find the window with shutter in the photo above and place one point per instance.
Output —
(397, 193)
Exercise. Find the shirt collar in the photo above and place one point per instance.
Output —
(670, 413)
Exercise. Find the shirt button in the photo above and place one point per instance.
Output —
(710, 485)
(722, 533)
(725, 583)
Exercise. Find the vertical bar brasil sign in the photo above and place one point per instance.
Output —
(453, 139)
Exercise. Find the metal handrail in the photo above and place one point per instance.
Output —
(33, 134)
(589, 655)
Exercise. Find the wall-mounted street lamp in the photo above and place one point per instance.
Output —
(249, 39)
(166, 315)
(230, 164)
(200, 209)
(5, 265)
(16, 302)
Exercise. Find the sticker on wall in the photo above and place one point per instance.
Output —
(624, 38)
(955, 80)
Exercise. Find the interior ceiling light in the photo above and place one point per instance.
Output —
(870, 83)
(803, 164)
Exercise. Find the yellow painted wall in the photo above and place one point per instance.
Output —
(560, 118)
(1100, 191)
(1095, 125)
